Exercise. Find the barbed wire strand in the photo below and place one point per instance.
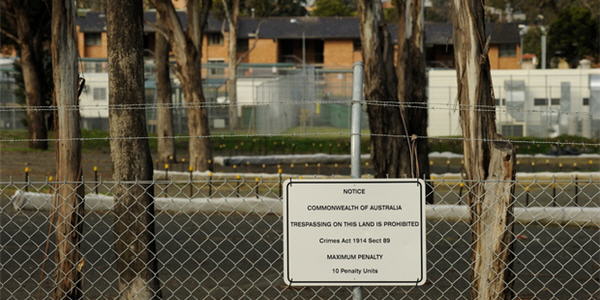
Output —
(304, 134)
(413, 105)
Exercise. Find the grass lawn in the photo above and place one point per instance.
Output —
(300, 140)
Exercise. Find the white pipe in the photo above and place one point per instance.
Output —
(568, 216)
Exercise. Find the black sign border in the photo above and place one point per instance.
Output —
(357, 283)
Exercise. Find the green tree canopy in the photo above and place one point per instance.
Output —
(273, 8)
(264, 8)
(331, 8)
(549, 9)
(532, 41)
(574, 35)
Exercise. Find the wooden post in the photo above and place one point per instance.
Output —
(256, 186)
(68, 200)
(238, 185)
(95, 169)
(26, 170)
(209, 184)
(135, 245)
(576, 190)
(489, 160)
(191, 170)
(553, 191)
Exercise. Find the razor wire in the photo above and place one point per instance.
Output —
(220, 237)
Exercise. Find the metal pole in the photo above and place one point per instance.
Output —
(520, 54)
(303, 52)
(543, 47)
(357, 95)
(357, 90)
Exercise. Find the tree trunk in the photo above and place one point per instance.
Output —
(135, 246)
(187, 47)
(197, 119)
(387, 149)
(489, 160)
(232, 12)
(36, 124)
(164, 110)
(68, 200)
(412, 86)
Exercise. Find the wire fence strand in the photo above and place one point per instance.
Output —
(221, 238)
(386, 103)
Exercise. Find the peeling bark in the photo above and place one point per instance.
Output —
(380, 89)
(68, 200)
(187, 47)
(135, 244)
(489, 160)
(412, 87)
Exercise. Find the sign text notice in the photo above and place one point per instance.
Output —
(354, 232)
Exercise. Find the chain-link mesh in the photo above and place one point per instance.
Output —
(220, 238)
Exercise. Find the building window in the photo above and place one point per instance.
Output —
(7, 92)
(93, 39)
(99, 93)
(215, 39)
(555, 101)
(512, 130)
(540, 102)
(586, 101)
(242, 45)
(507, 50)
(216, 67)
(356, 45)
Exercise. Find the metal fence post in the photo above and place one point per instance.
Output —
(357, 95)
(357, 91)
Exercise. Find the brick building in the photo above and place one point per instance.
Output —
(328, 42)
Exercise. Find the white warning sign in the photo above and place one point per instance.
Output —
(354, 232)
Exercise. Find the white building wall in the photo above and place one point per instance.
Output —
(444, 115)
(443, 106)
(90, 106)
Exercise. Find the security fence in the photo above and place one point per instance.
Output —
(221, 238)
(274, 98)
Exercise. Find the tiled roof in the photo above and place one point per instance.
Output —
(295, 27)
(96, 22)
(311, 28)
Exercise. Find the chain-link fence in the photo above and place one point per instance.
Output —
(221, 238)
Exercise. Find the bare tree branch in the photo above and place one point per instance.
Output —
(160, 29)
(167, 11)
(227, 14)
(197, 11)
(11, 36)
(223, 28)
(256, 38)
